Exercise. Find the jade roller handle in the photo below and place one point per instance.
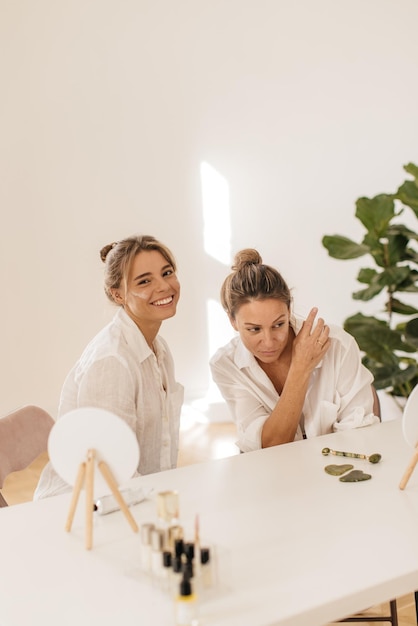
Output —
(373, 458)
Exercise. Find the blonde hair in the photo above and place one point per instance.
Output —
(118, 258)
(252, 280)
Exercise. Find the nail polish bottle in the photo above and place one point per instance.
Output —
(186, 604)
(167, 570)
(176, 575)
(206, 569)
(145, 549)
(157, 545)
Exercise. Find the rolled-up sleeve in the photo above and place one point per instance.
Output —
(245, 401)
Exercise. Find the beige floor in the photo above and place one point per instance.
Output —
(198, 442)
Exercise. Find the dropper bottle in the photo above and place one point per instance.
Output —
(186, 604)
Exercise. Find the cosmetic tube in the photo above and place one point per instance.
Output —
(107, 504)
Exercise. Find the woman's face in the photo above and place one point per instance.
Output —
(152, 288)
(263, 326)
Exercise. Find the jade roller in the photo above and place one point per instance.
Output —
(373, 458)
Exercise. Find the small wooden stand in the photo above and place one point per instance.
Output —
(86, 475)
(409, 469)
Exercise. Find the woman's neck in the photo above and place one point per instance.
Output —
(148, 329)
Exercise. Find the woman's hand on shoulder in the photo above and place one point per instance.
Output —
(312, 342)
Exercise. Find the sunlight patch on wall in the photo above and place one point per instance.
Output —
(216, 214)
(217, 245)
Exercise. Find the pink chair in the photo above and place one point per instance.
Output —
(23, 437)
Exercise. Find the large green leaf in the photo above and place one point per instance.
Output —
(411, 331)
(376, 213)
(397, 248)
(401, 229)
(394, 276)
(367, 294)
(411, 169)
(408, 194)
(402, 308)
(376, 338)
(411, 327)
(367, 275)
(388, 250)
(397, 379)
(343, 248)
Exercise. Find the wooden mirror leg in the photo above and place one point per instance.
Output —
(104, 468)
(89, 498)
(409, 469)
(76, 492)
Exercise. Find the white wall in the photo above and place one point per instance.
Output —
(108, 109)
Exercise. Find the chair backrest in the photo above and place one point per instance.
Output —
(376, 404)
(23, 437)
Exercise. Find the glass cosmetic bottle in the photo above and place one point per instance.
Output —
(186, 604)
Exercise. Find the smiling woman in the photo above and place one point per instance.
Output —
(127, 368)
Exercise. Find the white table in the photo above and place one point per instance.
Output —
(295, 546)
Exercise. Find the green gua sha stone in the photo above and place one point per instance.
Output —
(355, 477)
(337, 470)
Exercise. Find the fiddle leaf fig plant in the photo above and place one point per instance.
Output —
(389, 340)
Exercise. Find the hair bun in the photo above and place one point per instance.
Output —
(106, 249)
(248, 256)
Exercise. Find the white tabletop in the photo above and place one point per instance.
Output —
(294, 545)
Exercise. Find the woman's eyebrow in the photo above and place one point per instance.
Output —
(142, 275)
(150, 273)
(258, 324)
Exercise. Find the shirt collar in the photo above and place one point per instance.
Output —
(136, 339)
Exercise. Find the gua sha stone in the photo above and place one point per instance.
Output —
(355, 477)
(338, 470)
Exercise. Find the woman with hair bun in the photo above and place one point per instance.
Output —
(127, 368)
(285, 378)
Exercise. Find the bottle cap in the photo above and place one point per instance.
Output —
(187, 569)
(167, 559)
(157, 539)
(204, 555)
(174, 532)
(168, 506)
(178, 547)
(146, 533)
(189, 551)
(177, 564)
(185, 587)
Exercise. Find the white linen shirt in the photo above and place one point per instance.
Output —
(339, 394)
(119, 372)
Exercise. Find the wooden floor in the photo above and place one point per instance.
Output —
(198, 442)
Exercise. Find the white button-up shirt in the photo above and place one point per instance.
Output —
(339, 394)
(119, 372)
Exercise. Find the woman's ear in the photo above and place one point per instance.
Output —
(117, 296)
